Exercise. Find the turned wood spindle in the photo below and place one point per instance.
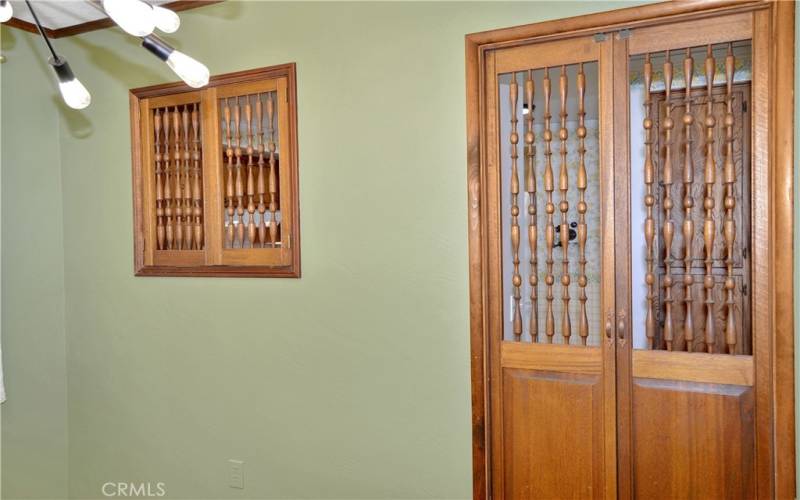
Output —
(688, 203)
(176, 162)
(260, 182)
(167, 202)
(229, 201)
(239, 181)
(729, 226)
(530, 188)
(159, 181)
(549, 231)
(197, 192)
(188, 224)
(708, 203)
(563, 186)
(581, 183)
(666, 179)
(250, 186)
(273, 178)
(516, 279)
(649, 201)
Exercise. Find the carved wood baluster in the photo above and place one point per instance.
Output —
(516, 279)
(239, 182)
(669, 228)
(583, 329)
(197, 192)
(708, 203)
(549, 232)
(251, 206)
(563, 186)
(530, 188)
(167, 202)
(273, 178)
(159, 182)
(729, 227)
(229, 201)
(260, 182)
(188, 229)
(688, 203)
(176, 163)
(649, 201)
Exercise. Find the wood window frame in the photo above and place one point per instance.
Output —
(214, 260)
(780, 296)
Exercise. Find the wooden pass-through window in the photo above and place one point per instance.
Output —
(215, 176)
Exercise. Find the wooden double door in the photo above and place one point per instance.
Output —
(629, 335)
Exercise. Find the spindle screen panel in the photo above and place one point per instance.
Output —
(551, 204)
(251, 155)
(215, 176)
(690, 192)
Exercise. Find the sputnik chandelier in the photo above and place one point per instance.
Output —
(136, 18)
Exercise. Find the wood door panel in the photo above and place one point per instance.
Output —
(693, 440)
(552, 434)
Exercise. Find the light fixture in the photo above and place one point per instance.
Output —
(133, 16)
(6, 11)
(165, 19)
(72, 90)
(194, 73)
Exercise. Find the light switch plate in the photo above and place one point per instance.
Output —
(236, 474)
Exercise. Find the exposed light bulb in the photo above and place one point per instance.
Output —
(166, 20)
(193, 72)
(6, 11)
(133, 16)
(75, 94)
(72, 90)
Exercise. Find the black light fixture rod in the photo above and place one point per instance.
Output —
(41, 30)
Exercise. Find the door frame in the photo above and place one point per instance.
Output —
(780, 263)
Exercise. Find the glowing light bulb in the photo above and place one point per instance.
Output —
(6, 11)
(194, 73)
(166, 20)
(75, 94)
(72, 90)
(133, 16)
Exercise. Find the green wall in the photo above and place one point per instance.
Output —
(352, 382)
(34, 426)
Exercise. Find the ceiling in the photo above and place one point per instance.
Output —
(57, 14)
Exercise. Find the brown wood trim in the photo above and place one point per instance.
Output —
(477, 285)
(551, 357)
(15, 22)
(658, 13)
(693, 367)
(287, 70)
(98, 24)
(783, 19)
(221, 271)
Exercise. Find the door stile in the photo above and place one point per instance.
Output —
(494, 272)
(763, 289)
(609, 224)
(620, 318)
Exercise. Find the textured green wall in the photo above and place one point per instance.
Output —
(34, 427)
(352, 382)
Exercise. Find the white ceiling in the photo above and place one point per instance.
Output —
(55, 14)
